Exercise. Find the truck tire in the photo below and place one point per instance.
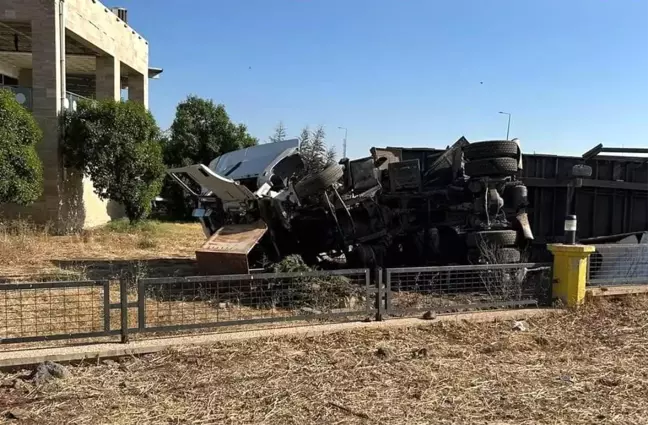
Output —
(491, 237)
(491, 167)
(491, 149)
(507, 255)
(314, 184)
(502, 256)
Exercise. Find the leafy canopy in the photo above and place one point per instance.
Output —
(117, 145)
(21, 171)
(201, 131)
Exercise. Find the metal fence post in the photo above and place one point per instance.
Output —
(141, 305)
(106, 305)
(123, 305)
(380, 306)
(388, 292)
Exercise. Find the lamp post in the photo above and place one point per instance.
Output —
(344, 142)
(508, 126)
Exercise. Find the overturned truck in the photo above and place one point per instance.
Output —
(465, 205)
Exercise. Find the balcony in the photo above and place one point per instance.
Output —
(73, 100)
(24, 97)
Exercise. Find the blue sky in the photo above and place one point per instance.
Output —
(409, 73)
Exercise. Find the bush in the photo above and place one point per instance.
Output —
(21, 171)
(117, 145)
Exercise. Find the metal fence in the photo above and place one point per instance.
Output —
(212, 301)
(617, 264)
(90, 309)
(54, 310)
(457, 288)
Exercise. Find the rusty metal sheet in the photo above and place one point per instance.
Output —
(226, 250)
(391, 154)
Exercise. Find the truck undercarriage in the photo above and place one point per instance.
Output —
(465, 205)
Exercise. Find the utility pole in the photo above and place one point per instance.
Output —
(508, 126)
(344, 142)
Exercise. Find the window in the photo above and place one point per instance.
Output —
(8, 81)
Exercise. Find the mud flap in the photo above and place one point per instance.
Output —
(523, 220)
(226, 251)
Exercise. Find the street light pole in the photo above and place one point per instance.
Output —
(344, 142)
(508, 126)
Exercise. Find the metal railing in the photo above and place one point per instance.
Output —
(23, 95)
(457, 288)
(166, 304)
(89, 309)
(54, 310)
(74, 99)
(618, 264)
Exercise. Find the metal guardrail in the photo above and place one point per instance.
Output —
(45, 311)
(618, 264)
(456, 288)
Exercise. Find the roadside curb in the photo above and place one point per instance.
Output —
(95, 352)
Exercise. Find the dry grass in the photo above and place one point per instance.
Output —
(588, 366)
(29, 252)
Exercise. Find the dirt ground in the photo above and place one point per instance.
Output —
(30, 253)
(583, 367)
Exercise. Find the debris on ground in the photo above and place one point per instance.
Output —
(420, 353)
(429, 315)
(16, 414)
(385, 352)
(290, 264)
(48, 371)
(315, 294)
(520, 325)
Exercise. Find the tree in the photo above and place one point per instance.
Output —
(21, 171)
(313, 150)
(117, 145)
(201, 131)
(279, 134)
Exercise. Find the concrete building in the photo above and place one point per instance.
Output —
(52, 52)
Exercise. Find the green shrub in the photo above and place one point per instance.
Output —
(21, 171)
(117, 145)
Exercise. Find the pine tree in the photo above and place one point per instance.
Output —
(279, 134)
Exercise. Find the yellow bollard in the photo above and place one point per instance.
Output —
(570, 272)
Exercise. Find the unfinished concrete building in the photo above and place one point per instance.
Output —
(52, 53)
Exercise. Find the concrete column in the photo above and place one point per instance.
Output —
(108, 78)
(25, 77)
(46, 85)
(138, 88)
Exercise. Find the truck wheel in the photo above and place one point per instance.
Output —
(491, 237)
(313, 184)
(507, 255)
(491, 149)
(491, 167)
(502, 256)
